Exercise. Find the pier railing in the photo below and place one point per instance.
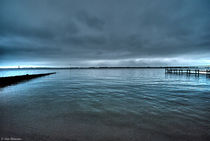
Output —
(188, 70)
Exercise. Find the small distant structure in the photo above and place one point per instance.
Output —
(188, 70)
(18, 67)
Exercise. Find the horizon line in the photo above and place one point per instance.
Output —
(95, 67)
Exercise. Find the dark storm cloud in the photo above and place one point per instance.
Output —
(91, 21)
(120, 31)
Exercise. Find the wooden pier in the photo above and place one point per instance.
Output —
(188, 70)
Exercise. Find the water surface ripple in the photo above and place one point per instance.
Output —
(106, 104)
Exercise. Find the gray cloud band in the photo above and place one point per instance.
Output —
(78, 31)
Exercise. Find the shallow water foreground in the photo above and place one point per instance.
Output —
(106, 105)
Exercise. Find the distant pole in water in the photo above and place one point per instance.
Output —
(18, 67)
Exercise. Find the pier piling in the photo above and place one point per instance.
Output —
(188, 70)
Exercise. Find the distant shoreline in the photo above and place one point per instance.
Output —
(100, 67)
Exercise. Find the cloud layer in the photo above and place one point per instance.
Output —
(105, 33)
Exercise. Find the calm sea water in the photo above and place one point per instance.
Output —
(106, 105)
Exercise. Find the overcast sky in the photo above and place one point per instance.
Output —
(104, 32)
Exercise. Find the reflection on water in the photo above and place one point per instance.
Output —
(107, 104)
